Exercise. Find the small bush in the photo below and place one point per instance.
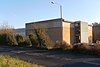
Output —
(20, 39)
(43, 39)
(7, 35)
(97, 46)
(11, 40)
(65, 46)
(80, 46)
(2, 39)
(97, 49)
(8, 39)
(23, 41)
(33, 40)
(27, 42)
(57, 44)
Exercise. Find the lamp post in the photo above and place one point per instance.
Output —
(60, 8)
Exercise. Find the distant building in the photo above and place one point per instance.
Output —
(90, 34)
(96, 32)
(20, 31)
(64, 31)
(83, 32)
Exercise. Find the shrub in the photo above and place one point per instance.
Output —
(23, 41)
(43, 39)
(27, 42)
(84, 46)
(7, 36)
(33, 39)
(20, 39)
(65, 45)
(11, 40)
(7, 39)
(57, 44)
(97, 46)
(80, 46)
(97, 49)
(2, 39)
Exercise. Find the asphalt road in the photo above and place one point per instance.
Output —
(52, 58)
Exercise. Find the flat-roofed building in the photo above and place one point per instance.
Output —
(64, 31)
(96, 32)
(20, 31)
(83, 32)
(90, 34)
(57, 29)
(81, 29)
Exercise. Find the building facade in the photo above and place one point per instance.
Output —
(90, 34)
(20, 31)
(83, 32)
(96, 32)
(62, 30)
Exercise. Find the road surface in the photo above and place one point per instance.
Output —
(52, 58)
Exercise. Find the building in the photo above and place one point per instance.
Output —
(90, 34)
(83, 32)
(63, 31)
(96, 32)
(20, 31)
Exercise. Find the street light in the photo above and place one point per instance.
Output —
(60, 8)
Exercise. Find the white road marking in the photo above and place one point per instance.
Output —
(92, 63)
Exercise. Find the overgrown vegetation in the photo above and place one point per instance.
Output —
(87, 49)
(7, 61)
(40, 37)
(33, 40)
(7, 35)
(62, 45)
(80, 46)
(20, 39)
(27, 42)
(23, 41)
(83, 48)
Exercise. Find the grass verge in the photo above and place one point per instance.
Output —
(7, 61)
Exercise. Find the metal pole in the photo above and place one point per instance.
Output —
(61, 11)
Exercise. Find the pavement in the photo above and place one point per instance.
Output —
(52, 58)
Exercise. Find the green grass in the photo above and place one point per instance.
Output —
(7, 61)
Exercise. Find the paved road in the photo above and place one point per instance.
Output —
(52, 58)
